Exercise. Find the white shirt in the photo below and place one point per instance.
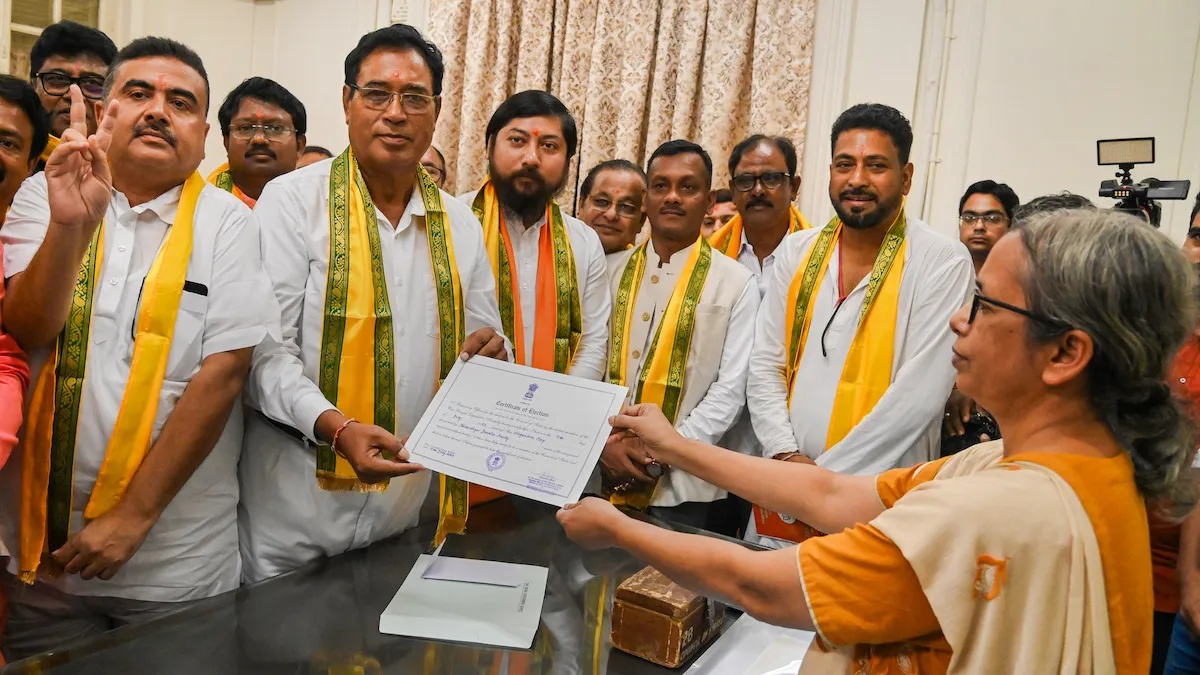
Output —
(286, 519)
(741, 435)
(591, 277)
(749, 259)
(714, 390)
(903, 428)
(191, 552)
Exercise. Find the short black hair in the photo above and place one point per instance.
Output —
(152, 46)
(723, 195)
(589, 181)
(396, 36)
(1003, 193)
(881, 118)
(1195, 210)
(441, 157)
(21, 94)
(533, 103)
(785, 146)
(69, 39)
(1051, 202)
(267, 91)
(681, 147)
(318, 150)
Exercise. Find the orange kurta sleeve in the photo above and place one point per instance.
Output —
(894, 484)
(860, 589)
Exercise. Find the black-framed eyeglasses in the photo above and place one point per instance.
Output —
(381, 99)
(770, 180)
(979, 299)
(986, 218)
(58, 84)
(434, 172)
(624, 209)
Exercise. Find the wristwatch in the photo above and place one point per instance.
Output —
(654, 469)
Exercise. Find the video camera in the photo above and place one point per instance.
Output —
(1136, 198)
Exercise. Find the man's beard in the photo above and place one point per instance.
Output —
(524, 204)
(867, 219)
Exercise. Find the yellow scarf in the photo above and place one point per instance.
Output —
(51, 144)
(728, 239)
(47, 477)
(662, 378)
(223, 179)
(867, 372)
(559, 320)
(357, 371)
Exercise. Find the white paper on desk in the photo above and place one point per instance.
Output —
(460, 611)
(517, 429)
(751, 647)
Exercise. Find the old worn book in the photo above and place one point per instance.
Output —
(660, 621)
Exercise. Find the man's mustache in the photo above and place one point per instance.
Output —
(158, 128)
(759, 201)
(851, 194)
(261, 150)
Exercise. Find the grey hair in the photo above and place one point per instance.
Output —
(1051, 202)
(1132, 291)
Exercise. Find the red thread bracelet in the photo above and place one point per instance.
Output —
(339, 433)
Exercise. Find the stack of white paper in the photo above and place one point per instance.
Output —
(459, 600)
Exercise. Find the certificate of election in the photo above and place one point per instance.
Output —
(524, 431)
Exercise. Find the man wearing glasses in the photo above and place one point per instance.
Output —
(851, 363)
(69, 53)
(985, 214)
(383, 282)
(263, 125)
(612, 202)
(435, 165)
(763, 176)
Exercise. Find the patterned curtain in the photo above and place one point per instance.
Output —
(634, 73)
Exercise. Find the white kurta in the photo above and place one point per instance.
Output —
(191, 552)
(286, 518)
(591, 277)
(714, 389)
(903, 428)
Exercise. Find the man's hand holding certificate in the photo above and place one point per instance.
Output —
(524, 431)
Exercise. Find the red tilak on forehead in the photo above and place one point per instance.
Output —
(258, 115)
(536, 133)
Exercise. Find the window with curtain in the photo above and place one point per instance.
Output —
(27, 19)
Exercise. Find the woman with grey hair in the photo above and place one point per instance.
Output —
(1025, 555)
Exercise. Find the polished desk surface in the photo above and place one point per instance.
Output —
(324, 617)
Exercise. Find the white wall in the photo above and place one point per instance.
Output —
(1013, 90)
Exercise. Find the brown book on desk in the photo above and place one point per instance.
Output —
(660, 621)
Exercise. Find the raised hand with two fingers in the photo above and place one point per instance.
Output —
(78, 179)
